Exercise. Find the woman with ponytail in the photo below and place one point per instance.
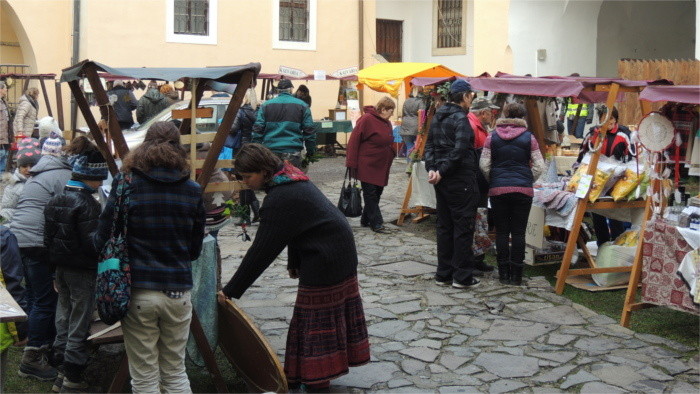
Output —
(165, 228)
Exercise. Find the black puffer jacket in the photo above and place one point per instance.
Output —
(450, 145)
(244, 122)
(71, 220)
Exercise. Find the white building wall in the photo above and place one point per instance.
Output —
(644, 30)
(566, 29)
(417, 16)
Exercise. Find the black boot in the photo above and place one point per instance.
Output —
(516, 274)
(504, 273)
(73, 381)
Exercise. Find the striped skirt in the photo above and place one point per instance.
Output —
(327, 334)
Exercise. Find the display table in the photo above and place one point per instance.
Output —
(10, 311)
(326, 131)
(663, 250)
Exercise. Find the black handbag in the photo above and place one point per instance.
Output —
(350, 201)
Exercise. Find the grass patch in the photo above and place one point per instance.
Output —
(667, 323)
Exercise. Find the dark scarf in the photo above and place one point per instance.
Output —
(33, 102)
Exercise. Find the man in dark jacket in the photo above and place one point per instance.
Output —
(70, 222)
(284, 125)
(452, 165)
(123, 101)
(150, 104)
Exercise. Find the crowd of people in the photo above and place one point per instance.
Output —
(55, 229)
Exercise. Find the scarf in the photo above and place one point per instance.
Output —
(288, 173)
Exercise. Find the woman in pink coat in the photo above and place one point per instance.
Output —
(369, 158)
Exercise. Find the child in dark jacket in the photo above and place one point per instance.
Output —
(71, 219)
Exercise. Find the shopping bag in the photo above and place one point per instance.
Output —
(482, 242)
(113, 288)
(350, 201)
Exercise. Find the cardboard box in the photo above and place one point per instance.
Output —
(542, 258)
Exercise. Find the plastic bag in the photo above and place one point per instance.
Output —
(613, 256)
(625, 185)
(576, 178)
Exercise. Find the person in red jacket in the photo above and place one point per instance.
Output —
(369, 158)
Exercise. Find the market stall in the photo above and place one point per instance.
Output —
(667, 261)
(389, 78)
(197, 80)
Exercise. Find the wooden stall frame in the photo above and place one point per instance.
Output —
(630, 304)
(208, 165)
(583, 205)
(419, 211)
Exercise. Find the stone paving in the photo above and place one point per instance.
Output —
(494, 338)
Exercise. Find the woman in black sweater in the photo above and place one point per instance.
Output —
(327, 333)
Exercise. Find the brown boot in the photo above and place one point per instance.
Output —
(35, 365)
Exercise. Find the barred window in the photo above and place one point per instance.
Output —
(449, 23)
(192, 17)
(294, 20)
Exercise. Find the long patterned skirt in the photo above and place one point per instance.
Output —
(327, 334)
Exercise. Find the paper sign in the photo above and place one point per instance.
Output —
(326, 125)
(583, 185)
(319, 75)
(534, 233)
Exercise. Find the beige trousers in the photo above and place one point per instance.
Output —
(155, 335)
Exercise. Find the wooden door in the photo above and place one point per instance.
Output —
(390, 39)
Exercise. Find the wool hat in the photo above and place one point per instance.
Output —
(482, 103)
(28, 152)
(90, 165)
(285, 84)
(48, 125)
(52, 146)
(460, 86)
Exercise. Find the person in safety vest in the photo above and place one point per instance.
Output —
(585, 117)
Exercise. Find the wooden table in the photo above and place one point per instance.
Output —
(10, 311)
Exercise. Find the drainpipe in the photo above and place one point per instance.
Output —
(361, 39)
(75, 59)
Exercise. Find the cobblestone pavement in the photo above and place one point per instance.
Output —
(493, 338)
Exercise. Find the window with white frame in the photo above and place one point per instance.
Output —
(192, 17)
(294, 24)
(449, 32)
(191, 21)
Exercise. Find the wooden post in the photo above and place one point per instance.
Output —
(636, 273)
(207, 353)
(582, 204)
(46, 97)
(106, 110)
(59, 109)
(244, 84)
(193, 127)
(536, 126)
(92, 124)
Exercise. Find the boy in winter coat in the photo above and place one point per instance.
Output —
(70, 221)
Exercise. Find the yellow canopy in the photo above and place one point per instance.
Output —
(387, 77)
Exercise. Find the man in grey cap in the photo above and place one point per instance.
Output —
(452, 166)
(481, 115)
(285, 126)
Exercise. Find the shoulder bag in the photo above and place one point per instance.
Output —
(113, 289)
(350, 201)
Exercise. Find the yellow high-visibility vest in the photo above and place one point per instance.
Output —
(571, 109)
